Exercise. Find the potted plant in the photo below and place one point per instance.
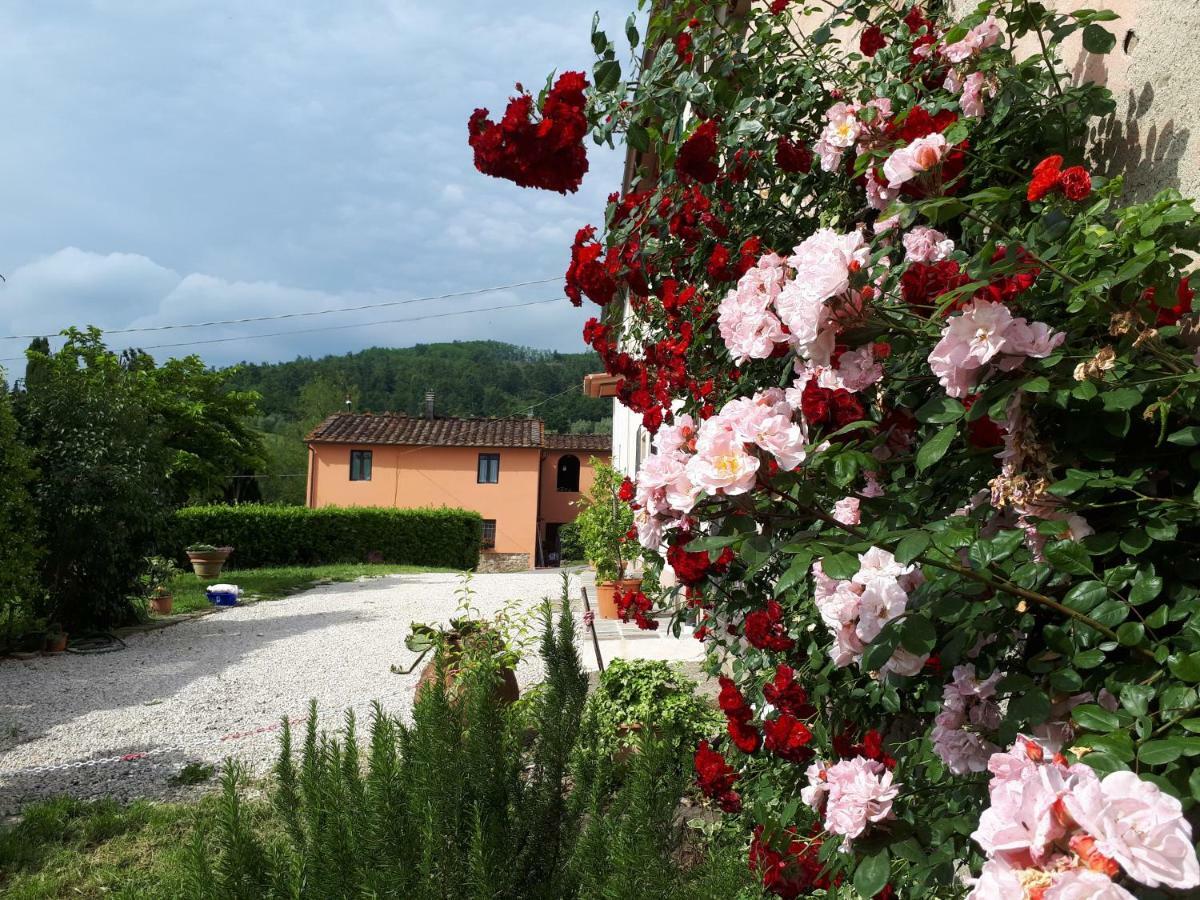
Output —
(207, 560)
(155, 580)
(604, 520)
(56, 639)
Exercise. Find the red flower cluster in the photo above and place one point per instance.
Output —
(1005, 288)
(626, 491)
(871, 747)
(588, 274)
(716, 778)
(778, 6)
(697, 155)
(683, 47)
(548, 153)
(694, 568)
(1049, 176)
(923, 283)
(635, 605)
(1170, 315)
(765, 630)
(829, 406)
(787, 737)
(982, 432)
(793, 156)
(720, 263)
(872, 41)
(793, 872)
(785, 693)
(737, 715)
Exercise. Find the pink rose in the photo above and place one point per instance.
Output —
(920, 156)
(927, 245)
(1084, 884)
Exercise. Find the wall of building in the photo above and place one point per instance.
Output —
(411, 477)
(559, 506)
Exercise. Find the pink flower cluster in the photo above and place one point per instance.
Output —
(909, 161)
(850, 795)
(926, 245)
(746, 319)
(969, 707)
(970, 90)
(1058, 831)
(845, 128)
(775, 303)
(721, 457)
(856, 610)
(985, 334)
(978, 39)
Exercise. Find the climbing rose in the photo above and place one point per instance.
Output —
(872, 41)
(910, 161)
(926, 245)
(793, 156)
(716, 778)
(979, 38)
(1076, 183)
(697, 155)
(851, 794)
(589, 275)
(765, 629)
(787, 738)
(1046, 175)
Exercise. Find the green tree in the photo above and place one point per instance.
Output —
(19, 544)
(102, 489)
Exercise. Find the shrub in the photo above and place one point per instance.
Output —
(570, 544)
(636, 695)
(464, 803)
(291, 535)
(19, 545)
(603, 521)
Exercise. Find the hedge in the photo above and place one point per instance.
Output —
(264, 535)
(570, 547)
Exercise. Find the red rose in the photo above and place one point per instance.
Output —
(731, 701)
(793, 156)
(922, 284)
(626, 491)
(1170, 315)
(778, 6)
(588, 274)
(814, 403)
(716, 778)
(696, 157)
(871, 41)
(1046, 175)
(765, 629)
(683, 45)
(846, 408)
(785, 693)
(745, 737)
(788, 738)
(718, 265)
(1076, 183)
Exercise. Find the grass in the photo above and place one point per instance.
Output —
(273, 583)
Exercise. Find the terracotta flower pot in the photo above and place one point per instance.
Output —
(208, 563)
(507, 689)
(162, 604)
(606, 595)
(56, 643)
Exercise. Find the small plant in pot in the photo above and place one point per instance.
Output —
(56, 639)
(207, 560)
(155, 579)
(469, 642)
(604, 521)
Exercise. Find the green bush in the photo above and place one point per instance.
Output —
(475, 799)
(296, 535)
(570, 544)
(636, 695)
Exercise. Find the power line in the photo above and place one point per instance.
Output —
(297, 315)
(252, 337)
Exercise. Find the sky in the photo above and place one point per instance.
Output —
(183, 161)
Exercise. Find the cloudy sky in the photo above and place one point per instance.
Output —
(181, 161)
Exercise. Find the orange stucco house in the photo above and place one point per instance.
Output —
(522, 481)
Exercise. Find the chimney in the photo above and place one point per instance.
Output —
(429, 397)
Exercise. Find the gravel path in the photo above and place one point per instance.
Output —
(225, 675)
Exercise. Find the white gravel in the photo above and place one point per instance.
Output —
(225, 674)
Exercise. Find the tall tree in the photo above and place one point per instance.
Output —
(19, 545)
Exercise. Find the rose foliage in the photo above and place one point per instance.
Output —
(925, 401)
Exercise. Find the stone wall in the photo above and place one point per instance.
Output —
(491, 562)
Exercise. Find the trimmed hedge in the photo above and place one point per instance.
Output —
(296, 535)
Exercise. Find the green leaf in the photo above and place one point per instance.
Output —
(1033, 707)
(1136, 698)
(935, 448)
(631, 31)
(638, 137)
(872, 874)
(918, 635)
(911, 547)
(1146, 587)
(1135, 541)
(1122, 399)
(1185, 667)
(940, 410)
(1131, 634)
(608, 74)
(840, 566)
(1104, 763)
(1097, 39)
(1085, 595)
(1185, 437)
(1069, 557)
(1095, 718)
(1039, 385)
(1159, 753)
(795, 573)
(1089, 659)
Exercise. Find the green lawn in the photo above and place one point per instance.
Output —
(272, 583)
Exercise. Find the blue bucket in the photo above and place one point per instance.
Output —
(222, 595)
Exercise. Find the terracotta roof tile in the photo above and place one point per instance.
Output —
(391, 428)
(579, 442)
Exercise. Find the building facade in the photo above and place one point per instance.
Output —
(523, 482)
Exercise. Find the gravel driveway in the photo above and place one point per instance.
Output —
(208, 688)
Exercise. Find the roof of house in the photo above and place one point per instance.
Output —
(579, 442)
(393, 428)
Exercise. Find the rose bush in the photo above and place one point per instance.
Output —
(924, 395)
